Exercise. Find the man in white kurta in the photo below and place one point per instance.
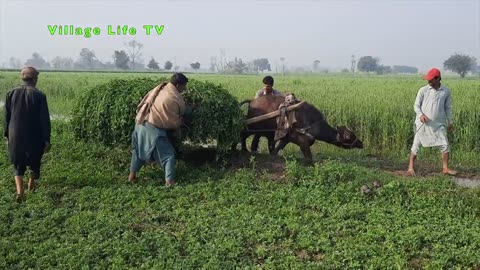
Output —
(433, 109)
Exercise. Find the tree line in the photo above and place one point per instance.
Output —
(130, 58)
(459, 63)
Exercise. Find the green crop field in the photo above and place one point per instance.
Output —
(378, 108)
(85, 215)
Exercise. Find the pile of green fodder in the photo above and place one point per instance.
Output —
(106, 112)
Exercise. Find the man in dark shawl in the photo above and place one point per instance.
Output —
(27, 129)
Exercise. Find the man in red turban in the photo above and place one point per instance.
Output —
(433, 109)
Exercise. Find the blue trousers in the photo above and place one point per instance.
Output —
(163, 152)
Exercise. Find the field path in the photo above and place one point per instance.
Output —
(275, 167)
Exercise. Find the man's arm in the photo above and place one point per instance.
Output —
(45, 120)
(279, 93)
(259, 93)
(448, 108)
(417, 106)
(171, 109)
(8, 114)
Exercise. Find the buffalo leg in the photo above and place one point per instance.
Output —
(271, 143)
(234, 147)
(244, 137)
(255, 142)
(279, 147)
(307, 153)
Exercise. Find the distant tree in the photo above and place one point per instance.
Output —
(460, 63)
(153, 64)
(168, 65)
(139, 64)
(62, 62)
(316, 65)
(222, 62)
(283, 65)
(37, 61)
(404, 69)
(261, 64)
(300, 70)
(353, 64)
(14, 63)
(195, 66)
(236, 66)
(134, 49)
(121, 59)
(367, 63)
(87, 59)
(109, 65)
(345, 70)
(213, 64)
(381, 69)
(176, 68)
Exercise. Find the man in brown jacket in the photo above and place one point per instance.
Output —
(160, 112)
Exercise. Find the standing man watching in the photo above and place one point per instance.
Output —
(433, 108)
(27, 129)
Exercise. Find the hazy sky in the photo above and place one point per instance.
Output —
(419, 33)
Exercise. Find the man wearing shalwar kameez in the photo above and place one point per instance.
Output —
(433, 109)
(267, 90)
(159, 114)
(27, 129)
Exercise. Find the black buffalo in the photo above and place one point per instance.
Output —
(310, 125)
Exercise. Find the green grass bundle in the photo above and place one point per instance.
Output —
(216, 114)
(106, 112)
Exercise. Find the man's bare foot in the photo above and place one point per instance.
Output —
(411, 172)
(132, 178)
(449, 172)
(19, 198)
(31, 185)
(170, 183)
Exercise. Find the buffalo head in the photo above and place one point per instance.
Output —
(347, 139)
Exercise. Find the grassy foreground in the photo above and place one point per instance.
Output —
(84, 216)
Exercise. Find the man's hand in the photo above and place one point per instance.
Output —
(424, 118)
(450, 128)
(47, 147)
